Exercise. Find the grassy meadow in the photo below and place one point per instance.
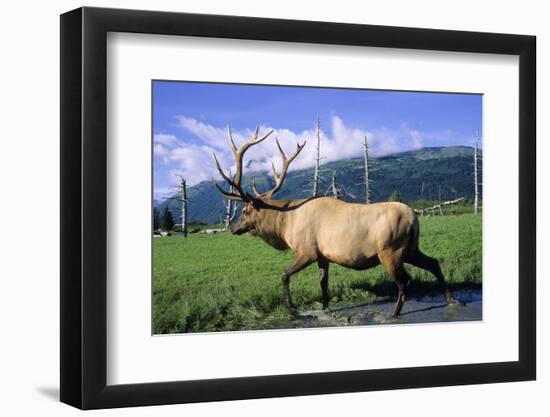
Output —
(222, 282)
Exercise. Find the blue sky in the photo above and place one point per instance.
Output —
(190, 119)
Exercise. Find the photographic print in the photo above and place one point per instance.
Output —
(284, 207)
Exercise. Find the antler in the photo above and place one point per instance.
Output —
(235, 182)
(279, 178)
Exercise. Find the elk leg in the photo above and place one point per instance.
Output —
(403, 280)
(323, 279)
(298, 264)
(399, 303)
(394, 267)
(430, 264)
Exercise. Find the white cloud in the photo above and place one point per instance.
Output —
(208, 134)
(159, 150)
(195, 162)
(167, 140)
(417, 139)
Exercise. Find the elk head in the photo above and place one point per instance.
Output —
(253, 205)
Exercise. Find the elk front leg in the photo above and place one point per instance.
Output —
(394, 267)
(323, 280)
(298, 264)
(402, 286)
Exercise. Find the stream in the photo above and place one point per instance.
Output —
(431, 309)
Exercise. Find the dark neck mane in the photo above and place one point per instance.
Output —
(270, 226)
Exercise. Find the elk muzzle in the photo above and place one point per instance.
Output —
(239, 227)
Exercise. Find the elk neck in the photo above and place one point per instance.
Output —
(271, 223)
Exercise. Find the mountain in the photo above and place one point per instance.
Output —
(424, 174)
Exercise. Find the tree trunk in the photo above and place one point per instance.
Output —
(367, 180)
(476, 188)
(230, 210)
(317, 161)
(184, 207)
(333, 186)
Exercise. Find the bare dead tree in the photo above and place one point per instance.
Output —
(333, 188)
(230, 207)
(317, 160)
(437, 206)
(476, 183)
(367, 179)
(230, 211)
(183, 199)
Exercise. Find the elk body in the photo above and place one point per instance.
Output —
(326, 230)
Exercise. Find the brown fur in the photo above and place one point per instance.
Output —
(326, 230)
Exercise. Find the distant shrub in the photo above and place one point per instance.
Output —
(196, 224)
(394, 196)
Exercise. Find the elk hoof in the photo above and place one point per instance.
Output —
(452, 301)
(325, 305)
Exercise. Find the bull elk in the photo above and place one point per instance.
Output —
(325, 230)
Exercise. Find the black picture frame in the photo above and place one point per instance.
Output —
(84, 207)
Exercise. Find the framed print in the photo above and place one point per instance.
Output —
(256, 208)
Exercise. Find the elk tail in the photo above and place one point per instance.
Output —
(414, 234)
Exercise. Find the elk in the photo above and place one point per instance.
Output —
(327, 230)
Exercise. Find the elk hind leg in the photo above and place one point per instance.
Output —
(430, 264)
(298, 264)
(323, 280)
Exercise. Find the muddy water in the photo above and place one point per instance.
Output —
(419, 310)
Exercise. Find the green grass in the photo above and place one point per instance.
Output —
(223, 282)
